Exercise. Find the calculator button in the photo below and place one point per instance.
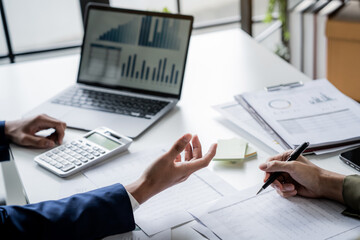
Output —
(83, 147)
(72, 154)
(62, 148)
(77, 156)
(84, 160)
(95, 148)
(52, 162)
(73, 148)
(67, 151)
(89, 150)
(63, 162)
(78, 150)
(90, 156)
(58, 165)
(101, 151)
(77, 162)
(49, 154)
(67, 167)
(73, 143)
(68, 145)
(55, 151)
(72, 160)
(56, 158)
(96, 154)
(45, 159)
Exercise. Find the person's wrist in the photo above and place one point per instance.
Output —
(331, 185)
(9, 129)
(141, 190)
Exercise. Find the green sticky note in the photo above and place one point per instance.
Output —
(231, 149)
(250, 152)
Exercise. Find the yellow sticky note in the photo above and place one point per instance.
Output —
(231, 149)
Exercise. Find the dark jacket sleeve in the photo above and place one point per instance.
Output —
(4, 143)
(91, 215)
(351, 195)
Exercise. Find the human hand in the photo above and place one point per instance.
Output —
(22, 132)
(169, 170)
(301, 177)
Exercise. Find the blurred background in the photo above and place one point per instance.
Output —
(293, 29)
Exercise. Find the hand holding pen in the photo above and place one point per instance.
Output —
(293, 156)
(303, 178)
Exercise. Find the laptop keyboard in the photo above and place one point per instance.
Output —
(114, 103)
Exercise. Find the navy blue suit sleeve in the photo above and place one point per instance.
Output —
(91, 215)
(4, 143)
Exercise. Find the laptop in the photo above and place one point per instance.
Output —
(131, 71)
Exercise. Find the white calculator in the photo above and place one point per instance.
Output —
(93, 147)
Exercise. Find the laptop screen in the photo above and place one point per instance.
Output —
(135, 50)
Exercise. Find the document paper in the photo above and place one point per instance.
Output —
(269, 216)
(316, 112)
(168, 208)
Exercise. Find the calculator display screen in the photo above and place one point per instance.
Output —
(103, 141)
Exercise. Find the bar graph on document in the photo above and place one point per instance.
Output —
(110, 62)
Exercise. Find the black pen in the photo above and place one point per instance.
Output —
(293, 156)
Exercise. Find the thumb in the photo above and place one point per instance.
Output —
(38, 142)
(197, 164)
(276, 166)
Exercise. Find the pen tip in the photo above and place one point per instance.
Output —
(261, 189)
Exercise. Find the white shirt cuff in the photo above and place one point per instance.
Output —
(134, 204)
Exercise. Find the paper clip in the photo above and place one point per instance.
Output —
(284, 86)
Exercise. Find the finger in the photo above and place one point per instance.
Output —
(44, 122)
(38, 142)
(288, 187)
(196, 147)
(277, 185)
(199, 163)
(263, 167)
(267, 175)
(280, 157)
(188, 152)
(53, 137)
(279, 166)
(288, 194)
(178, 147)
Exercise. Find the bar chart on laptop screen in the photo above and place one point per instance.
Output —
(136, 51)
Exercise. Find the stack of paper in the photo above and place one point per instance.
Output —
(169, 208)
(250, 216)
(233, 150)
(316, 112)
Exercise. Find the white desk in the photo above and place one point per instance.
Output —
(220, 65)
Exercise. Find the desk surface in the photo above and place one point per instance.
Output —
(220, 65)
